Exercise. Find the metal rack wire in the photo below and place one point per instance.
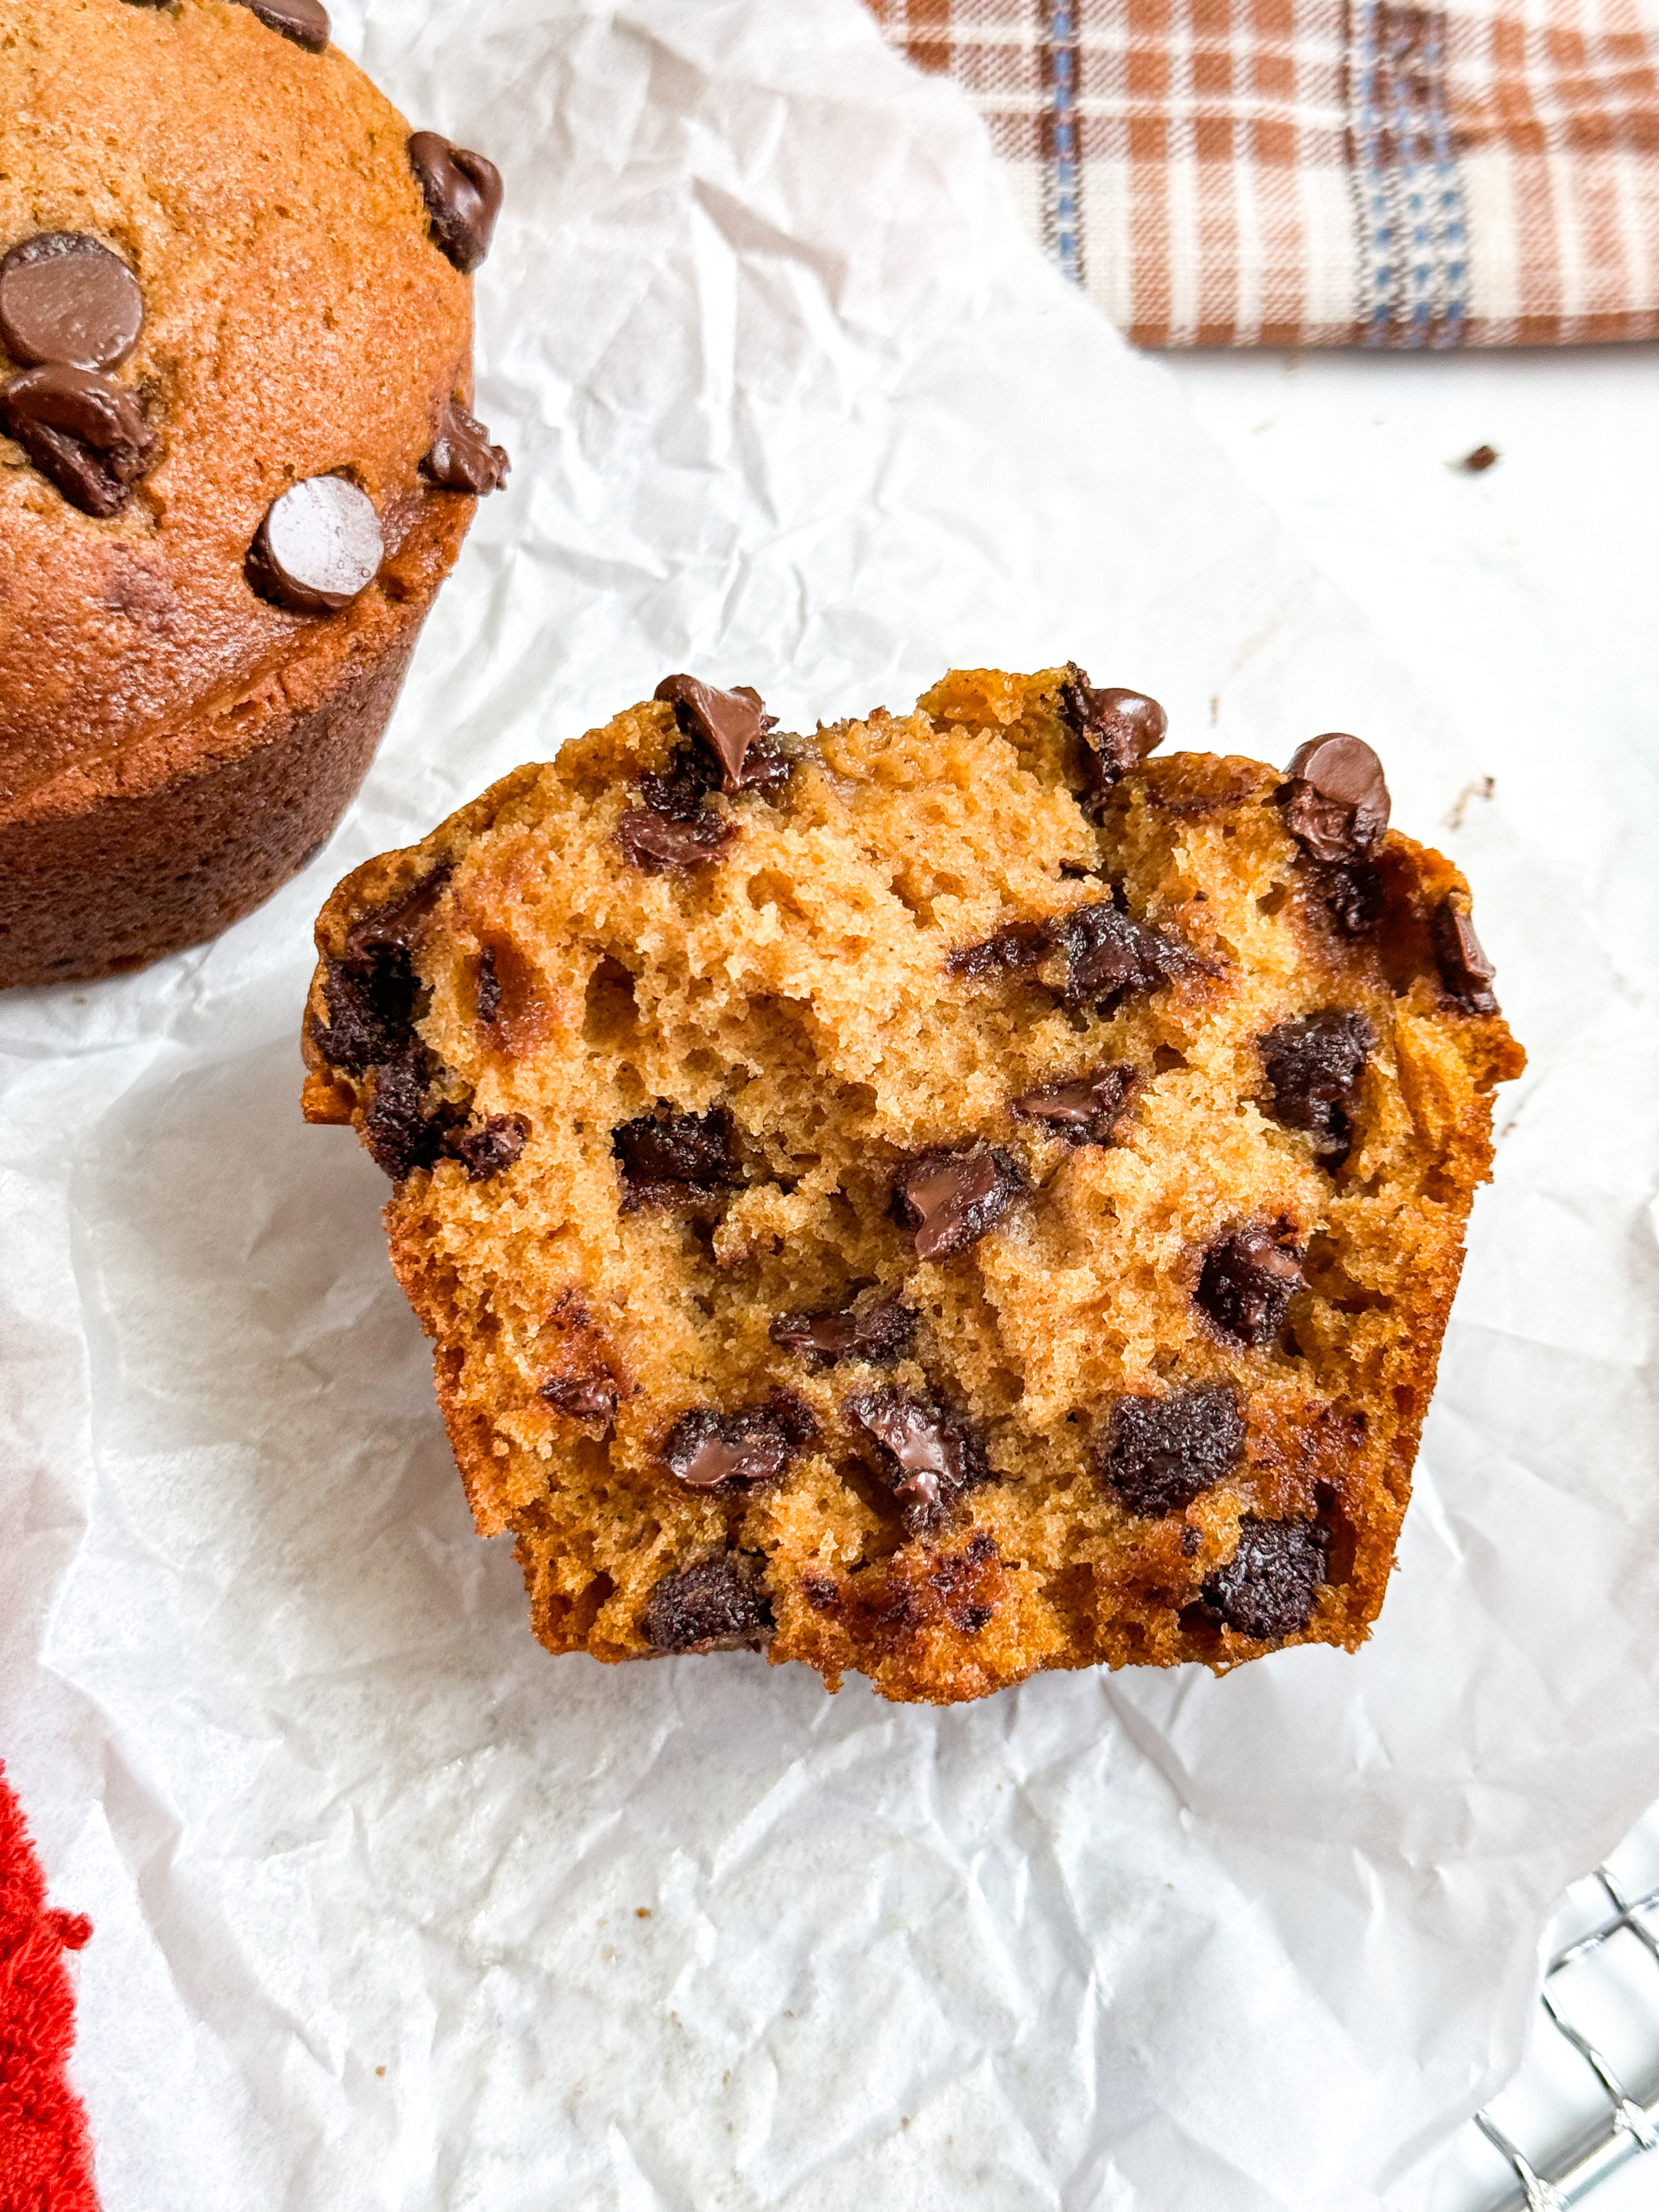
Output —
(1576, 2117)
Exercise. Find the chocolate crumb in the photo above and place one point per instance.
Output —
(667, 1157)
(1248, 1279)
(1160, 1453)
(1270, 1586)
(1465, 970)
(1477, 462)
(880, 1331)
(1090, 1110)
(706, 1447)
(716, 1602)
(1313, 1066)
(950, 1197)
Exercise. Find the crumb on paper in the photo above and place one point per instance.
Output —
(1478, 461)
(1483, 787)
(642, 1912)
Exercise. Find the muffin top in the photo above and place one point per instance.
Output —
(302, 312)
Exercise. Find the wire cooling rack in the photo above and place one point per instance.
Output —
(1579, 2125)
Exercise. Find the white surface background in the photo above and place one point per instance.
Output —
(791, 402)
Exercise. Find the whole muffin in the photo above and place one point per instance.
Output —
(236, 460)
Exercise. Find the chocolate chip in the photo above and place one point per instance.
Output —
(487, 996)
(463, 194)
(373, 989)
(84, 432)
(1109, 953)
(1336, 801)
(1482, 459)
(730, 724)
(715, 1603)
(667, 1157)
(1009, 950)
(661, 846)
(928, 1454)
(1464, 967)
(1313, 1065)
(491, 1149)
(305, 21)
(1161, 1452)
(462, 458)
(951, 1197)
(706, 1447)
(880, 1333)
(318, 546)
(66, 298)
(402, 1132)
(1089, 1111)
(1269, 1587)
(1353, 893)
(1248, 1279)
(584, 1397)
(1119, 730)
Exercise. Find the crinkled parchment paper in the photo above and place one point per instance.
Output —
(395, 1910)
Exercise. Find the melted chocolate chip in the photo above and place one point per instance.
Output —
(706, 1447)
(373, 989)
(666, 1156)
(85, 432)
(715, 1603)
(67, 299)
(402, 1132)
(1313, 1065)
(663, 846)
(584, 1397)
(1464, 967)
(880, 1333)
(928, 1456)
(463, 192)
(491, 1149)
(1017, 946)
(951, 1197)
(318, 546)
(1353, 893)
(1109, 953)
(731, 724)
(1269, 1587)
(1089, 1111)
(1161, 1452)
(487, 997)
(1335, 800)
(305, 21)
(462, 458)
(1119, 731)
(1248, 1279)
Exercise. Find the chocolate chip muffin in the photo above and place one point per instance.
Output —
(943, 1197)
(236, 455)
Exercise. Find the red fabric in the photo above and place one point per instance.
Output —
(46, 2151)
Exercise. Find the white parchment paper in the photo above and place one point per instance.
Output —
(394, 1911)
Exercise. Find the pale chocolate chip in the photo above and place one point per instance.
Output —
(305, 21)
(463, 192)
(1161, 1453)
(706, 1447)
(1089, 1111)
(715, 1603)
(1120, 730)
(729, 723)
(584, 1397)
(83, 431)
(1465, 970)
(1313, 1065)
(66, 298)
(880, 1331)
(1248, 1279)
(462, 458)
(667, 1157)
(929, 1454)
(948, 1197)
(1336, 800)
(660, 847)
(1270, 1586)
(318, 546)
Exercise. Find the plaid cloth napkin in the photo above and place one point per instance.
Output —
(1325, 171)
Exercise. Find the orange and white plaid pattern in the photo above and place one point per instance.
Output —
(1248, 173)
